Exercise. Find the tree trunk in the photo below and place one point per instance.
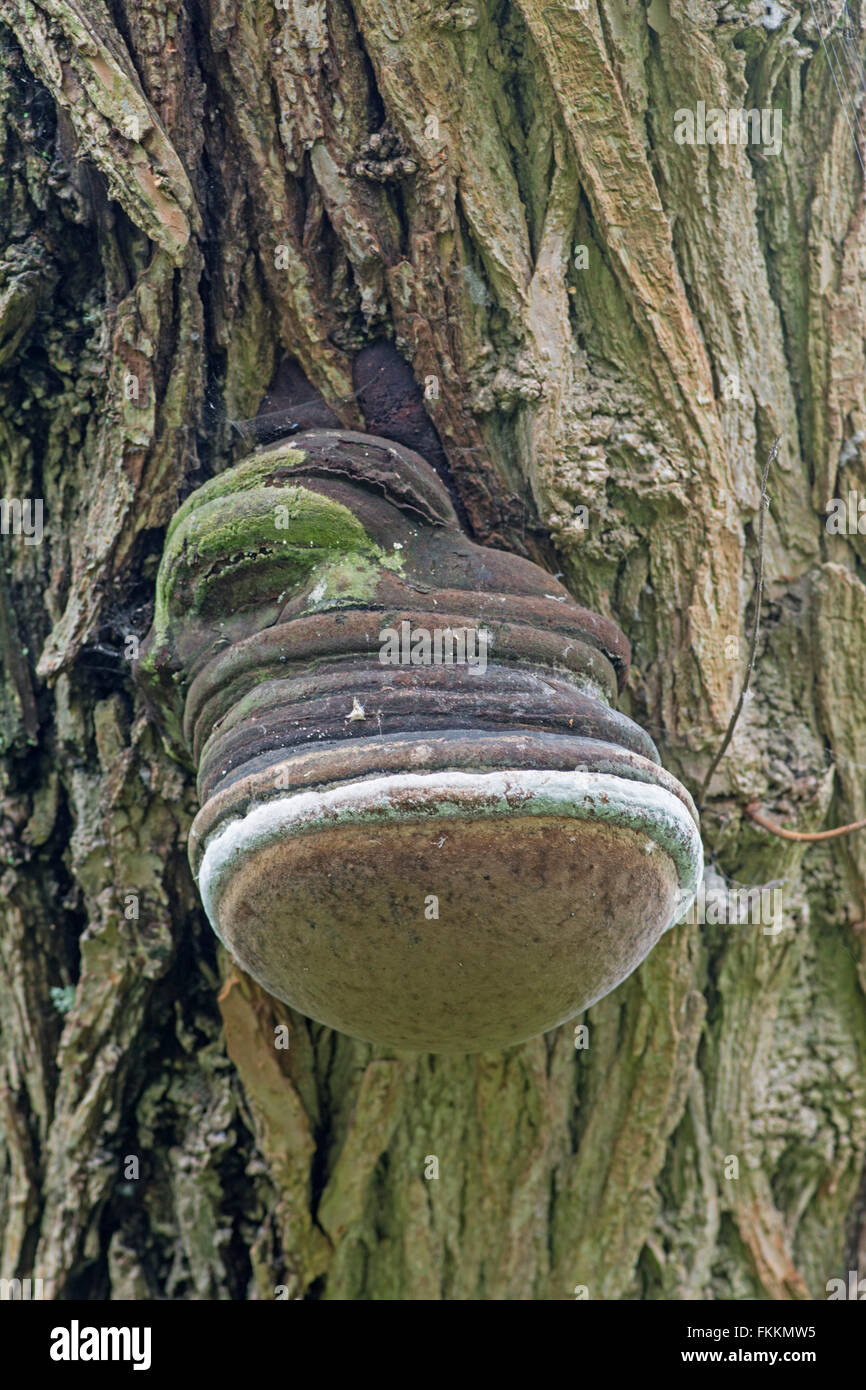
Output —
(610, 328)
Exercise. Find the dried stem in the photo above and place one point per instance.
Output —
(765, 502)
(756, 814)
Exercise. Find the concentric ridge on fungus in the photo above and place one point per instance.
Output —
(432, 857)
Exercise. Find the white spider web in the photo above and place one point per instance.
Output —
(839, 37)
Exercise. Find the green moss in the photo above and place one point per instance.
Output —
(244, 477)
(352, 578)
(236, 539)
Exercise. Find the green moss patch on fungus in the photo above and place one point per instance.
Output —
(350, 579)
(246, 476)
(234, 546)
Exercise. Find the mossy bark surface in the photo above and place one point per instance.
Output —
(190, 193)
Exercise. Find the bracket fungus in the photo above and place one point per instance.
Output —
(435, 855)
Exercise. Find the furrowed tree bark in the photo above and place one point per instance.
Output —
(189, 195)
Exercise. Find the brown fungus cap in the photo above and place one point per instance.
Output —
(434, 854)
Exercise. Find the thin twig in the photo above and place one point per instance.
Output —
(754, 811)
(764, 503)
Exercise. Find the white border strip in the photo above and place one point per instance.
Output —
(598, 796)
